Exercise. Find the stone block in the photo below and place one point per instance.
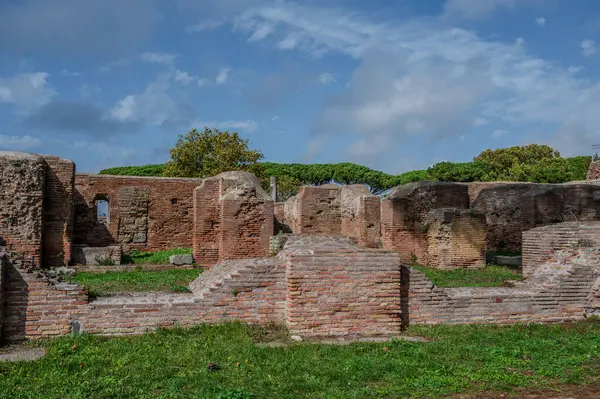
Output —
(179, 260)
(97, 256)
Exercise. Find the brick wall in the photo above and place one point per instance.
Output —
(559, 293)
(315, 210)
(540, 244)
(34, 306)
(22, 179)
(456, 238)
(58, 211)
(3, 266)
(146, 213)
(404, 211)
(343, 293)
(252, 291)
(594, 171)
(360, 215)
(513, 208)
(234, 218)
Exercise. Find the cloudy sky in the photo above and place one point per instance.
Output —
(394, 85)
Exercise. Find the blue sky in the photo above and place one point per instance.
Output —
(394, 85)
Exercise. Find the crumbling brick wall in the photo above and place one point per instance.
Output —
(511, 209)
(36, 307)
(541, 244)
(404, 211)
(360, 215)
(146, 213)
(594, 171)
(58, 211)
(22, 178)
(3, 266)
(456, 238)
(559, 292)
(315, 210)
(234, 218)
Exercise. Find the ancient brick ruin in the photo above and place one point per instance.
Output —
(344, 268)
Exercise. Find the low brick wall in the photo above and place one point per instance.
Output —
(559, 293)
(130, 267)
(540, 244)
(351, 292)
(36, 307)
(252, 291)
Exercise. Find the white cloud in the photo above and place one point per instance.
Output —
(326, 78)
(541, 21)
(86, 91)
(204, 25)
(588, 48)
(158, 58)
(499, 133)
(118, 63)
(155, 105)
(19, 143)
(475, 9)
(222, 75)
(26, 90)
(422, 77)
(184, 77)
(66, 72)
(520, 41)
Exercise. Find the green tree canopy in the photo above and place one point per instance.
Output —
(208, 153)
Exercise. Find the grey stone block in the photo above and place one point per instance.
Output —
(178, 260)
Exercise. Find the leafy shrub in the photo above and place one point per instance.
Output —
(144, 170)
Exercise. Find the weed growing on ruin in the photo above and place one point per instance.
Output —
(489, 276)
(172, 363)
(154, 258)
(102, 284)
(105, 262)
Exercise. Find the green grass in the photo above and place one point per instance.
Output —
(101, 284)
(490, 276)
(173, 364)
(155, 258)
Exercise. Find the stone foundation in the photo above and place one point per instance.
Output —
(97, 256)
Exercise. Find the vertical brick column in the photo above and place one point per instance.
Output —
(58, 211)
(246, 226)
(207, 223)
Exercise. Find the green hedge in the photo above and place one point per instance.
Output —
(546, 170)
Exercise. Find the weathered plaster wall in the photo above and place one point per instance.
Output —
(146, 213)
(22, 179)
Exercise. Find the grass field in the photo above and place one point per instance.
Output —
(490, 276)
(101, 284)
(156, 258)
(175, 364)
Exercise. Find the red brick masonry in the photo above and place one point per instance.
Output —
(318, 285)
